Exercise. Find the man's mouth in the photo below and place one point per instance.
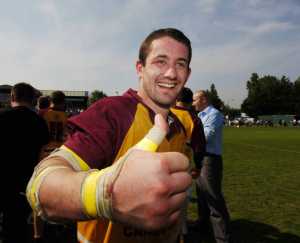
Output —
(167, 85)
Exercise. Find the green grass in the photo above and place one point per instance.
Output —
(261, 183)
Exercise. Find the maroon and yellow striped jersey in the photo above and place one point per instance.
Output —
(104, 133)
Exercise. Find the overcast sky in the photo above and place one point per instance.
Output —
(93, 44)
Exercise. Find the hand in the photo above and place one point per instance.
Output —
(151, 188)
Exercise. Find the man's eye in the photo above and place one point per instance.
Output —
(182, 64)
(161, 62)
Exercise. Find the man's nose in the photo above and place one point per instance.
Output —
(171, 72)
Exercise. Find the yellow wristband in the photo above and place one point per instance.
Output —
(88, 193)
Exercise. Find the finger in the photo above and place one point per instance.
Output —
(155, 136)
(176, 201)
(173, 211)
(164, 221)
(160, 121)
(180, 182)
(174, 216)
(174, 161)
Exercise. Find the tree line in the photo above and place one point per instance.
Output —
(269, 95)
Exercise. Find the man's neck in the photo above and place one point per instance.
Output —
(164, 111)
(183, 104)
(16, 104)
(204, 108)
(57, 107)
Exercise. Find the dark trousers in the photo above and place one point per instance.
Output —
(15, 220)
(211, 203)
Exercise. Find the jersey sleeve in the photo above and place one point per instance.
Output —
(96, 134)
(91, 135)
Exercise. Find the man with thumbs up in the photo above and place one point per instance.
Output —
(103, 172)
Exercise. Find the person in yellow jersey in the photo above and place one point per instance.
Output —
(56, 119)
(107, 175)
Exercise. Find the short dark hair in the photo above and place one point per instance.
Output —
(157, 34)
(58, 97)
(185, 95)
(44, 102)
(24, 92)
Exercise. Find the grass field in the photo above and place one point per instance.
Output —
(262, 184)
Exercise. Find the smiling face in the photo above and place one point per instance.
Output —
(164, 74)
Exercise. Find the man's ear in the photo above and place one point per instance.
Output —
(12, 97)
(139, 68)
(189, 72)
(188, 75)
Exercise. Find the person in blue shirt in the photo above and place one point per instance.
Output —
(212, 204)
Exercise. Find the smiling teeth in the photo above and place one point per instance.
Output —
(166, 85)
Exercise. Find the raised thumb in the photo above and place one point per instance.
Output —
(155, 136)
